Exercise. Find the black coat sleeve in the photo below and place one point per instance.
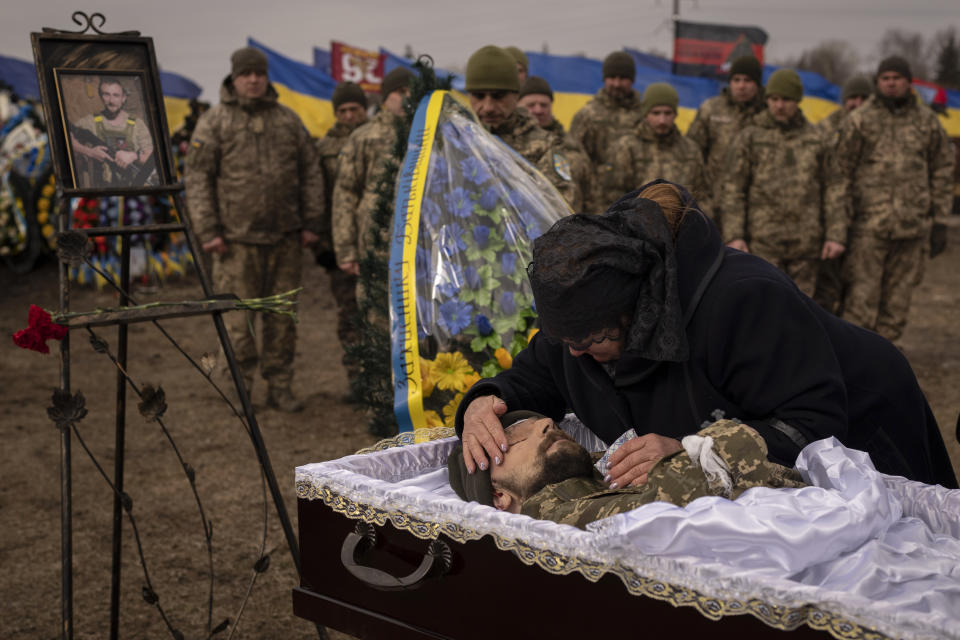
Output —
(768, 353)
(530, 384)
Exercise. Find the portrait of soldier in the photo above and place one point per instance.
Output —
(112, 147)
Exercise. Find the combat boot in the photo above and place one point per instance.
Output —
(282, 399)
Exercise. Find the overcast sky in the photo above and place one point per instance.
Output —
(195, 37)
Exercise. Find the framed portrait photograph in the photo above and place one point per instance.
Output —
(104, 112)
(112, 140)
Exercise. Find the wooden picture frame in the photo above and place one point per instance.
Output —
(103, 106)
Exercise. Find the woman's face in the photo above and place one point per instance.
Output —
(602, 346)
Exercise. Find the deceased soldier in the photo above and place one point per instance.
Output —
(547, 475)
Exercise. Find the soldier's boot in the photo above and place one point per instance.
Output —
(282, 399)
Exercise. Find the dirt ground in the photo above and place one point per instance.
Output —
(227, 476)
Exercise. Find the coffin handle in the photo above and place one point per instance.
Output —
(438, 557)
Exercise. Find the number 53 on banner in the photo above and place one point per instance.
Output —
(350, 64)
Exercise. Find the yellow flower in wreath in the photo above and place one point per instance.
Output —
(532, 333)
(450, 410)
(433, 419)
(504, 359)
(471, 379)
(450, 369)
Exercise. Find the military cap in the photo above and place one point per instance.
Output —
(491, 68)
(396, 79)
(786, 84)
(536, 85)
(748, 66)
(519, 57)
(897, 64)
(349, 92)
(246, 60)
(477, 486)
(619, 64)
(856, 86)
(659, 94)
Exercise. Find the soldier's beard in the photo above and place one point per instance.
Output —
(894, 102)
(110, 115)
(569, 460)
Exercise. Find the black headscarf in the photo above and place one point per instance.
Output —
(588, 271)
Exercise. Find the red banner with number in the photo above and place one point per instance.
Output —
(350, 64)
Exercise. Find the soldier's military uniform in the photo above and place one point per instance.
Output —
(133, 135)
(717, 123)
(251, 178)
(894, 167)
(595, 127)
(773, 196)
(675, 479)
(637, 160)
(359, 170)
(543, 150)
(343, 285)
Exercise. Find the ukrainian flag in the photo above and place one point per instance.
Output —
(302, 87)
(178, 91)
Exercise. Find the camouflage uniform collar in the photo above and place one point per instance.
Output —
(555, 127)
(630, 102)
(566, 490)
(341, 130)
(893, 105)
(519, 122)
(386, 117)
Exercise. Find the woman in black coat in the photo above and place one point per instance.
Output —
(649, 322)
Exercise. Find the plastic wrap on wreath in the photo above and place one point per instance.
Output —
(467, 211)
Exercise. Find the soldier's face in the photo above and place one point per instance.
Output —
(853, 102)
(113, 98)
(539, 454)
(661, 119)
(618, 87)
(539, 106)
(252, 84)
(493, 107)
(892, 85)
(351, 113)
(742, 88)
(521, 73)
(782, 109)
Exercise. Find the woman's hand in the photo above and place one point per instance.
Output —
(483, 438)
(630, 464)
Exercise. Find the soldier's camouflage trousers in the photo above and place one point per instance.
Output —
(880, 276)
(256, 271)
(803, 270)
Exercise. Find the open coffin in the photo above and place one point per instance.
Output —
(859, 554)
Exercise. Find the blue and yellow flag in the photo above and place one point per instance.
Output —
(178, 91)
(302, 87)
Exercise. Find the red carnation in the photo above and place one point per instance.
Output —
(40, 328)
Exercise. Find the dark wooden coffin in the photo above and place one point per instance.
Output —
(378, 580)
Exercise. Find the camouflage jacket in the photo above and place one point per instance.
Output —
(894, 170)
(830, 126)
(328, 150)
(774, 186)
(595, 127)
(674, 479)
(580, 166)
(717, 123)
(251, 172)
(644, 157)
(360, 167)
(543, 150)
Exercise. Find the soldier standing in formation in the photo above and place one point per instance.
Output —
(613, 112)
(360, 170)
(536, 96)
(255, 197)
(894, 166)
(657, 150)
(721, 118)
(829, 290)
(493, 87)
(350, 110)
(774, 188)
(523, 64)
